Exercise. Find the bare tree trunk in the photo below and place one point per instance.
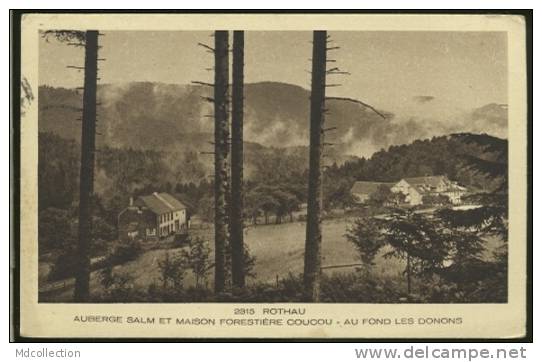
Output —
(86, 177)
(221, 154)
(313, 241)
(236, 237)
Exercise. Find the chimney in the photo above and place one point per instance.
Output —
(131, 201)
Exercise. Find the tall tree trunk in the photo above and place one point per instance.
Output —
(313, 242)
(86, 177)
(221, 155)
(236, 237)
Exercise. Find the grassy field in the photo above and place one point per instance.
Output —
(278, 250)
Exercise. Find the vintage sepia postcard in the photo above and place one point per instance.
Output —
(273, 176)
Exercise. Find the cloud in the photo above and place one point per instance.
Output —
(491, 118)
(423, 99)
(158, 115)
(367, 134)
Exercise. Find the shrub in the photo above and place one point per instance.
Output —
(65, 265)
(55, 229)
(366, 237)
(172, 269)
(197, 259)
(124, 252)
(358, 288)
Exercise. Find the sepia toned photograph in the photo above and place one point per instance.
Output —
(271, 166)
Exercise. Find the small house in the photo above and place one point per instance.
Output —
(412, 188)
(152, 217)
(413, 193)
(416, 187)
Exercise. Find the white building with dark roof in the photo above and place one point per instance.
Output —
(151, 217)
(413, 188)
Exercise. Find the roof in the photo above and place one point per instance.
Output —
(419, 189)
(432, 181)
(368, 187)
(184, 199)
(160, 203)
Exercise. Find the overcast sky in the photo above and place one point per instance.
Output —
(393, 71)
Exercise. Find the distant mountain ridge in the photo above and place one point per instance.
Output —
(158, 116)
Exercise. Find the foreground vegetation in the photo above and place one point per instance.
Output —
(182, 273)
(355, 287)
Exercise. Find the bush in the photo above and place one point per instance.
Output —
(124, 252)
(55, 229)
(353, 287)
(475, 281)
(160, 294)
(359, 288)
(366, 236)
(198, 260)
(64, 266)
(172, 269)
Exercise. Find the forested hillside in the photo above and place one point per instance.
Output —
(126, 171)
(122, 173)
(446, 155)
